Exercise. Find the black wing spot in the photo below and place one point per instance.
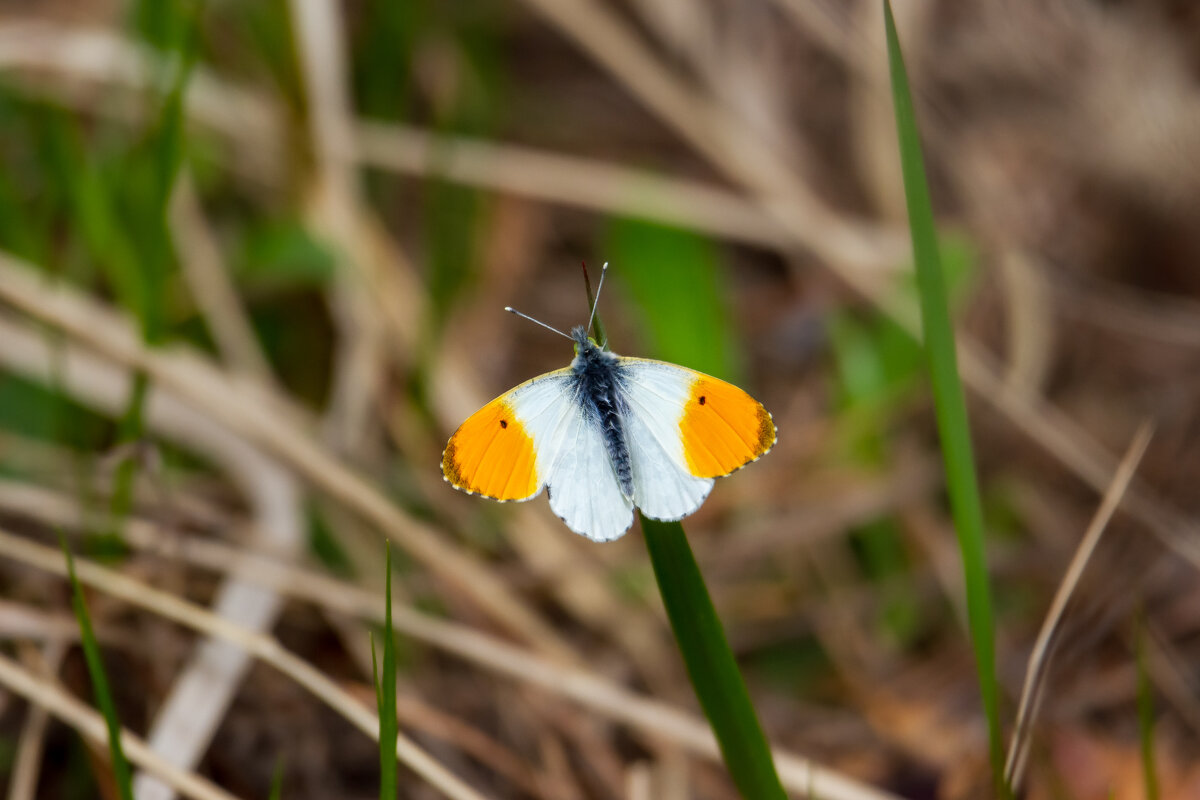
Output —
(701, 399)
(503, 423)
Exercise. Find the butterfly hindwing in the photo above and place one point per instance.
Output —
(584, 490)
(663, 487)
(572, 461)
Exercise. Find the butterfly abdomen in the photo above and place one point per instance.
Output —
(598, 383)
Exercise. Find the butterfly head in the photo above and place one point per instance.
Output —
(583, 342)
(585, 346)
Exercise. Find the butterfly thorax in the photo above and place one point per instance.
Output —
(601, 394)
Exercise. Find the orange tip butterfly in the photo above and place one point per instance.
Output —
(607, 434)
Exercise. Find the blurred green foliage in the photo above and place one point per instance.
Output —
(876, 363)
(282, 255)
(454, 51)
(35, 412)
(266, 27)
(796, 665)
(879, 369)
(678, 283)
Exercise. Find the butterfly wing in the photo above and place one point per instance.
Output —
(584, 490)
(538, 435)
(686, 428)
(502, 450)
(663, 488)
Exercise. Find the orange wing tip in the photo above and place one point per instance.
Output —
(724, 429)
(492, 455)
(769, 448)
(473, 493)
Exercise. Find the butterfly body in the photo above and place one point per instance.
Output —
(600, 390)
(608, 434)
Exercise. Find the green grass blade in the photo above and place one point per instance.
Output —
(949, 404)
(148, 200)
(385, 696)
(1145, 708)
(710, 664)
(678, 283)
(277, 781)
(91, 653)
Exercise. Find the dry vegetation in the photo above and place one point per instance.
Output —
(366, 184)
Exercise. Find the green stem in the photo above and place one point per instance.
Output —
(710, 663)
(122, 775)
(949, 404)
(1145, 707)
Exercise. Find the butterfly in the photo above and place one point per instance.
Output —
(607, 434)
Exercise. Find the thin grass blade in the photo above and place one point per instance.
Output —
(1145, 708)
(147, 180)
(949, 404)
(385, 695)
(710, 663)
(91, 652)
(277, 781)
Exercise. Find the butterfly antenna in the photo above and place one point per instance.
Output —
(512, 310)
(596, 301)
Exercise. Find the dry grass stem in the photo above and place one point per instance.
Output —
(1030, 310)
(20, 621)
(853, 246)
(1079, 451)
(196, 703)
(334, 210)
(27, 765)
(90, 724)
(564, 179)
(1043, 649)
(567, 180)
(1157, 316)
(83, 60)
(194, 707)
(653, 718)
(261, 646)
(207, 275)
(260, 421)
(346, 271)
(845, 247)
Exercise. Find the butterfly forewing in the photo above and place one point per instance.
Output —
(723, 428)
(504, 450)
(720, 427)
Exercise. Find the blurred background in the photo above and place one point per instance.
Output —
(253, 261)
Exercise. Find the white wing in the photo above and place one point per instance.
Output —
(572, 460)
(584, 490)
(656, 393)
